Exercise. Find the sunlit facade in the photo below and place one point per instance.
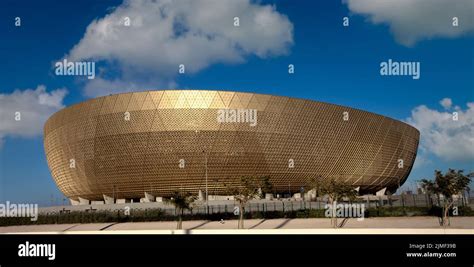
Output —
(161, 141)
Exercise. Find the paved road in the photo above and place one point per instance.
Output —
(385, 223)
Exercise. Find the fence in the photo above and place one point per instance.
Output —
(419, 200)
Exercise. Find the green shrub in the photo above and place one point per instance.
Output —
(397, 212)
(462, 211)
(159, 215)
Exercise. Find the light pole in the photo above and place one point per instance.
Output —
(207, 196)
(113, 194)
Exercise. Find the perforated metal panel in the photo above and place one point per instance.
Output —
(113, 155)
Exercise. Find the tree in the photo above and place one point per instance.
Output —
(336, 191)
(245, 189)
(315, 183)
(267, 186)
(447, 185)
(181, 201)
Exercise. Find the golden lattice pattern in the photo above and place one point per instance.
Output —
(126, 158)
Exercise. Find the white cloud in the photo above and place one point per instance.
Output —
(446, 103)
(413, 20)
(100, 86)
(163, 34)
(35, 107)
(444, 137)
(422, 159)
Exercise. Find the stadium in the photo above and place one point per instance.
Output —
(146, 145)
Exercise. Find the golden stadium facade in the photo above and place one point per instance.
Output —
(161, 141)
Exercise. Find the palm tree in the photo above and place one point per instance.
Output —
(181, 201)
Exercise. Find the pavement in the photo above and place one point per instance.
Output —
(390, 225)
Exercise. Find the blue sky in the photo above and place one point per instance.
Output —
(333, 64)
